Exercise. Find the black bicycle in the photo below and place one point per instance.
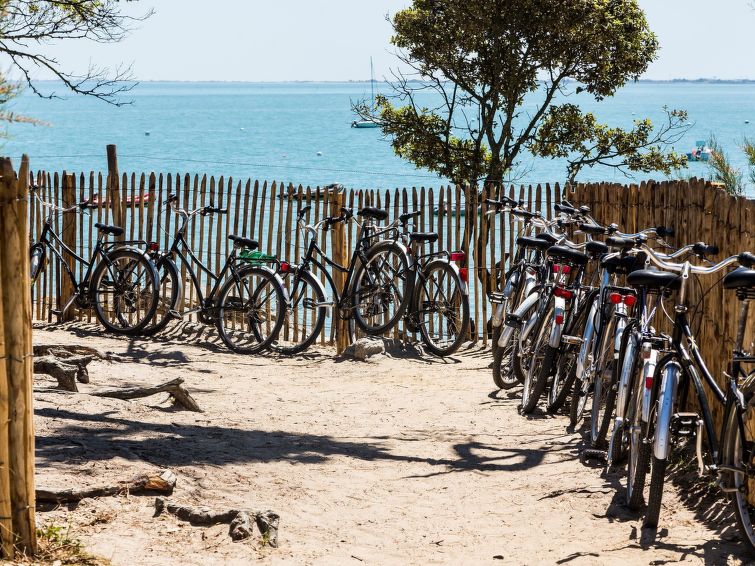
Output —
(246, 302)
(120, 281)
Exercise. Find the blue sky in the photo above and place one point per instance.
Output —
(255, 40)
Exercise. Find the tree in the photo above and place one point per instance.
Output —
(27, 26)
(494, 70)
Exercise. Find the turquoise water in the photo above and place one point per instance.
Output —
(299, 132)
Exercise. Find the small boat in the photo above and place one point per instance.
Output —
(700, 153)
(449, 209)
(96, 201)
(369, 123)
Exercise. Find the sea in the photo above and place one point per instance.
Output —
(301, 132)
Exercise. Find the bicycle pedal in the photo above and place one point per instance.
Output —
(684, 424)
(175, 314)
(513, 321)
(572, 340)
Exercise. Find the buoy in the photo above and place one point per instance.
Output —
(242, 129)
(319, 153)
(747, 121)
(146, 133)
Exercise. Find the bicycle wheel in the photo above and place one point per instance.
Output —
(169, 296)
(638, 461)
(251, 308)
(737, 455)
(566, 371)
(378, 294)
(626, 364)
(541, 363)
(442, 308)
(304, 315)
(504, 375)
(37, 261)
(604, 392)
(124, 291)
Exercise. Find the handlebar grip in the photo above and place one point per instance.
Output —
(565, 208)
(622, 243)
(703, 249)
(663, 231)
(172, 197)
(592, 229)
(746, 259)
(346, 213)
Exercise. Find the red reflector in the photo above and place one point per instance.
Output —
(630, 300)
(559, 319)
(649, 382)
(559, 268)
(615, 298)
(153, 247)
(458, 256)
(464, 274)
(563, 293)
(285, 267)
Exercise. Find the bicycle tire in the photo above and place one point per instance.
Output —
(238, 340)
(537, 373)
(456, 299)
(655, 494)
(603, 402)
(504, 379)
(310, 289)
(146, 299)
(37, 261)
(619, 439)
(400, 274)
(169, 296)
(566, 372)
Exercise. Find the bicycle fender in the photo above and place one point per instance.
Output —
(497, 318)
(172, 265)
(464, 288)
(321, 287)
(511, 282)
(669, 384)
(626, 375)
(559, 311)
(523, 309)
(648, 375)
(277, 279)
(531, 321)
(584, 350)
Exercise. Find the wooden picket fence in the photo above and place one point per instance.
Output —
(697, 211)
(267, 212)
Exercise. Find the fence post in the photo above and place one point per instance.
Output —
(17, 500)
(340, 256)
(114, 189)
(70, 221)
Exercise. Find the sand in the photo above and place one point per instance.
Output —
(398, 460)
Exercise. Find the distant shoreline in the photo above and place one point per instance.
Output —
(367, 81)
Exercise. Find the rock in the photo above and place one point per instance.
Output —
(364, 348)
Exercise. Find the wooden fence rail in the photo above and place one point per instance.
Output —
(697, 211)
(267, 212)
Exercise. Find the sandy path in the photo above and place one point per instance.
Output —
(396, 460)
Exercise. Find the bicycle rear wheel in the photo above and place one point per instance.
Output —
(442, 308)
(541, 363)
(378, 294)
(251, 308)
(504, 374)
(169, 296)
(604, 392)
(304, 315)
(125, 291)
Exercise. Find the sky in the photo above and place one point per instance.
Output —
(333, 40)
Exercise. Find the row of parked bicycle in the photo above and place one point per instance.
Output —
(257, 301)
(576, 327)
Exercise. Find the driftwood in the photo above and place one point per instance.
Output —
(65, 350)
(174, 387)
(162, 482)
(241, 523)
(66, 370)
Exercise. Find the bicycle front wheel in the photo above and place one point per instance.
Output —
(125, 291)
(169, 296)
(541, 364)
(304, 315)
(442, 308)
(251, 308)
(378, 295)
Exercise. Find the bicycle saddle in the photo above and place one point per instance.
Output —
(653, 279)
(372, 212)
(567, 254)
(740, 278)
(108, 229)
(423, 237)
(536, 243)
(409, 215)
(244, 242)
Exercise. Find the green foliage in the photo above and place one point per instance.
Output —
(749, 149)
(567, 132)
(481, 58)
(722, 171)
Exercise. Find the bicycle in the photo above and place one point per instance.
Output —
(730, 452)
(379, 288)
(120, 281)
(245, 303)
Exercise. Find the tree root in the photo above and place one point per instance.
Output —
(67, 370)
(241, 523)
(160, 482)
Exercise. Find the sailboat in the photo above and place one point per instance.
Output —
(368, 123)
